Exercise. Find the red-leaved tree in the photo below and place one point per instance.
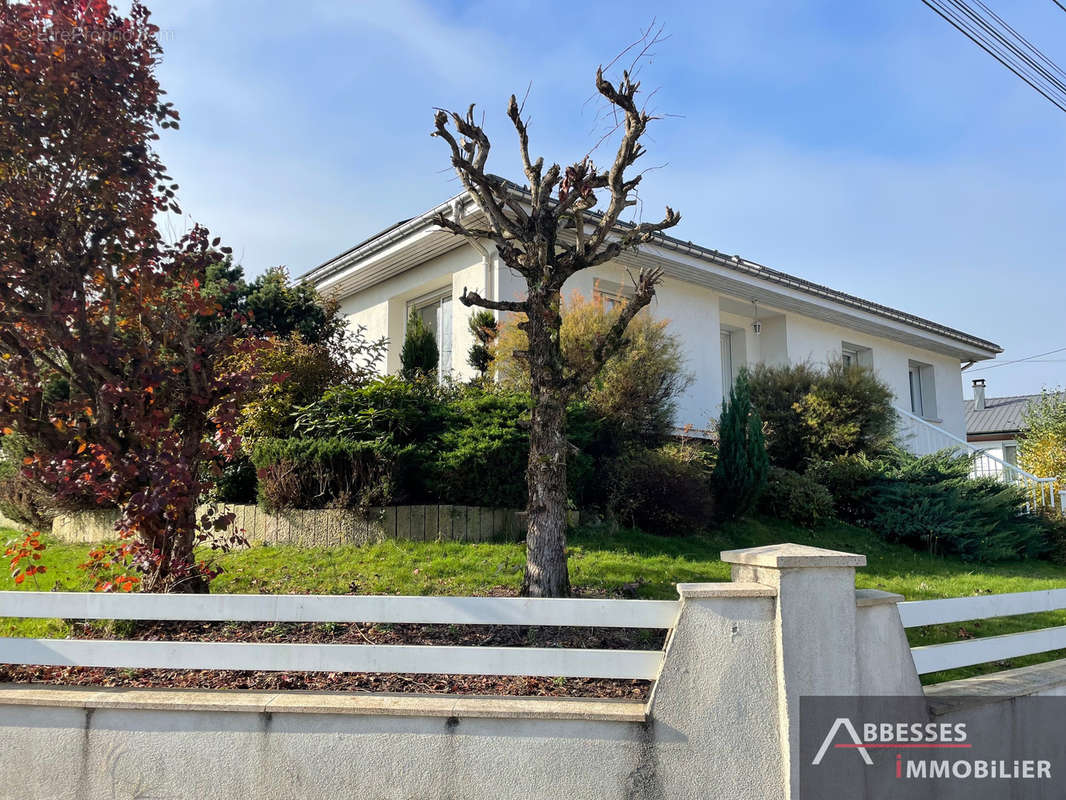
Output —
(110, 339)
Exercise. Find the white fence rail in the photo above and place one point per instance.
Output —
(922, 437)
(552, 662)
(936, 657)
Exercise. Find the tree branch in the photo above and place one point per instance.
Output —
(469, 298)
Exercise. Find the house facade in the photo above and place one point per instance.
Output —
(728, 313)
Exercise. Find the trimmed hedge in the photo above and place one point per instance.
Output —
(797, 498)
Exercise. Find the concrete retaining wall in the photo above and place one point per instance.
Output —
(331, 527)
(720, 723)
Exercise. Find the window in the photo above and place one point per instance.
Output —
(922, 389)
(612, 294)
(436, 313)
(1010, 454)
(853, 355)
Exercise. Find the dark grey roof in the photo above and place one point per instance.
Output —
(1000, 415)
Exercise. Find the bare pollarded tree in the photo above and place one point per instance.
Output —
(546, 234)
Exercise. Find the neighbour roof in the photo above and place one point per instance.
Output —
(1000, 415)
(733, 262)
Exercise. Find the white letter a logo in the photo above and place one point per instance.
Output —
(842, 722)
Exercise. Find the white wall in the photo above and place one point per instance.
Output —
(382, 308)
(695, 317)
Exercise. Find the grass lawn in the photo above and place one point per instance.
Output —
(627, 563)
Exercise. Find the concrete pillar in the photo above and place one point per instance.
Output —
(814, 629)
(717, 687)
(886, 666)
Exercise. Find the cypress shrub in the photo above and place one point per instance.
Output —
(741, 471)
(420, 354)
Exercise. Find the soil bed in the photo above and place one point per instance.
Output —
(353, 633)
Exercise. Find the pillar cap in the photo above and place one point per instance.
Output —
(789, 555)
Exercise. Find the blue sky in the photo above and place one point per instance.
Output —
(867, 146)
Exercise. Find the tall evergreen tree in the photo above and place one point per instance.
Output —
(420, 354)
(742, 468)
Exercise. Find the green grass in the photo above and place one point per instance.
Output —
(600, 561)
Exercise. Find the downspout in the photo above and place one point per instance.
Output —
(486, 257)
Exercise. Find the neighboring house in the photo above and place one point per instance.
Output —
(754, 313)
(993, 423)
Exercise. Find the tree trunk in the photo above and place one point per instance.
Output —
(546, 571)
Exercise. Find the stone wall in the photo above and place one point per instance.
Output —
(331, 527)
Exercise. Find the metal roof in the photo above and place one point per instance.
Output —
(1000, 415)
(734, 262)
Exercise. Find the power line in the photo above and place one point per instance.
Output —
(1059, 4)
(1032, 47)
(1018, 360)
(1001, 41)
(993, 42)
(1013, 47)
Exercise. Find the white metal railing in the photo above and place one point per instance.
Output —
(533, 661)
(922, 437)
(936, 657)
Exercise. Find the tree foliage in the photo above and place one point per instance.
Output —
(741, 471)
(815, 413)
(1042, 441)
(277, 307)
(110, 338)
(635, 392)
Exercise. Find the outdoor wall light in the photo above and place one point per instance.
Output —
(756, 326)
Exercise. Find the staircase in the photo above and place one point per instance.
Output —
(923, 438)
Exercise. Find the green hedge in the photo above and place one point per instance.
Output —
(931, 503)
(395, 441)
(796, 498)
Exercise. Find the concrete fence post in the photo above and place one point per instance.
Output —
(814, 629)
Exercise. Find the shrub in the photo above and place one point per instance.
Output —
(637, 389)
(297, 371)
(775, 392)
(976, 520)
(740, 473)
(813, 414)
(399, 410)
(480, 455)
(22, 498)
(664, 491)
(849, 480)
(796, 498)
(236, 482)
(931, 503)
(848, 410)
(1055, 537)
(420, 354)
(325, 473)
(485, 328)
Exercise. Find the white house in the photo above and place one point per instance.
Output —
(728, 312)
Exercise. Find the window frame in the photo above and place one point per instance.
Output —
(856, 355)
(925, 375)
(428, 300)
